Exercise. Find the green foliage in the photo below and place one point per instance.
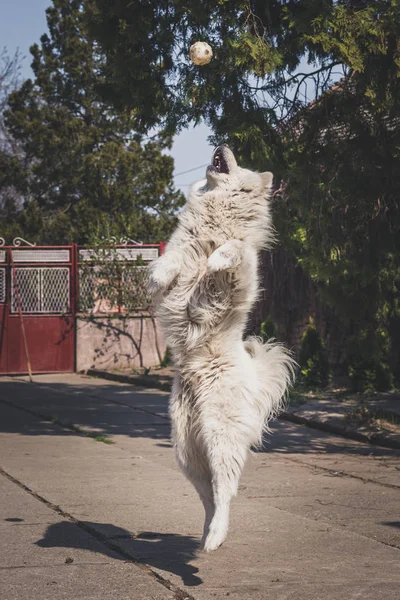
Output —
(339, 214)
(343, 221)
(112, 284)
(82, 168)
(9, 80)
(167, 359)
(369, 351)
(313, 360)
(9, 148)
(370, 376)
(258, 48)
(268, 329)
(108, 69)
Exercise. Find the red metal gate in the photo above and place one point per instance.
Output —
(39, 301)
(37, 295)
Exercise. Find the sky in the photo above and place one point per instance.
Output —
(22, 24)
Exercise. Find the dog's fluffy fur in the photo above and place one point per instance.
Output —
(225, 389)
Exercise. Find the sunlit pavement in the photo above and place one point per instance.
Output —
(317, 516)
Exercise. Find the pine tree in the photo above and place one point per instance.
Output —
(86, 169)
(253, 81)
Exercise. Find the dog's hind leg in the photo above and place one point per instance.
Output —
(203, 486)
(226, 456)
(195, 468)
(189, 454)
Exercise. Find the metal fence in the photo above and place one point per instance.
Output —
(43, 289)
(113, 280)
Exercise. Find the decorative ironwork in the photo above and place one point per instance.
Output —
(90, 293)
(41, 290)
(129, 254)
(2, 241)
(28, 282)
(18, 241)
(136, 296)
(123, 254)
(42, 256)
(104, 291)
(125, 241)
(2, 256)
(2, 285)
(55, 290)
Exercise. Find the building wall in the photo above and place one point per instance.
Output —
(118, 342)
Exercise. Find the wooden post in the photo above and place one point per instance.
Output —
(16, 288)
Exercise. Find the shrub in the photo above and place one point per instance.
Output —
(368, 365)
(370, 376)
(313, 360)
(167, 359)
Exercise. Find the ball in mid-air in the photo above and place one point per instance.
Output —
(200, 53)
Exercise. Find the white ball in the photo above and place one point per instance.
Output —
(200, 53)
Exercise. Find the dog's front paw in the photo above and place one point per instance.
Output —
(226, 257)
(161, 275)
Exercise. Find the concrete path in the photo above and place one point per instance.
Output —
(317, 516)
(374, 419)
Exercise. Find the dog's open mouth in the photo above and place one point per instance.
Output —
(219, 162)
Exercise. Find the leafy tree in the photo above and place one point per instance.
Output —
(253, 82)
(338, 157)
(342, 218)
(10, 150)
(86, 169)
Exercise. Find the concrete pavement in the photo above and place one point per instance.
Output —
(374, 418)
(317, 516)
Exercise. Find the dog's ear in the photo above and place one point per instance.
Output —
(266, 181)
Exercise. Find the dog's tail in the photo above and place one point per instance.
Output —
(275, 369)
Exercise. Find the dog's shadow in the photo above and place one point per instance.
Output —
(166, 551)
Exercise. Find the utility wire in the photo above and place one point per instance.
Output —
(190, 170)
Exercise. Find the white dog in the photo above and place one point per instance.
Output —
(225, 389)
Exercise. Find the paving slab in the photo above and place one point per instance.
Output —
(45, 556)
(342, 503)
(316, 516)
(268, 544)
(81, 582)
(17, 507)
(321, 450)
